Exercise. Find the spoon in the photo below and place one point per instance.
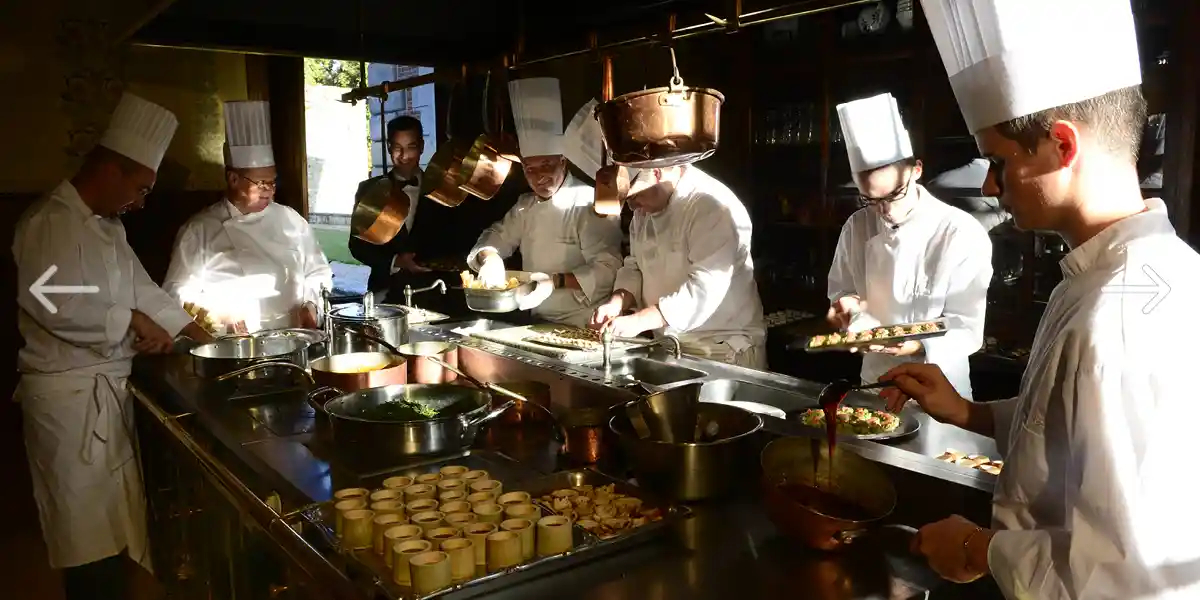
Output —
(836, 390)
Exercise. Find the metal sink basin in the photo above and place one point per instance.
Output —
(734, 391)
(651, 372)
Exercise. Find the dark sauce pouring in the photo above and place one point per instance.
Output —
(830, 398)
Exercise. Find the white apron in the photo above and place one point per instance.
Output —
(259, 252)
(86, 478)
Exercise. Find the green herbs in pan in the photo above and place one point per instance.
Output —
(398, 411)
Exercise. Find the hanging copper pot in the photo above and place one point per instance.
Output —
(443, 174)
(662, 127)
(488, 163)
(612, 182)
(380, 213)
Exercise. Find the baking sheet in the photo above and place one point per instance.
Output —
(806, 342)
(517, 337)
(368, 567)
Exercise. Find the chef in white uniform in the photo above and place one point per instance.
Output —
(1092, 502)
(79, 348)
(689, 272)
(252, 263)
(554, 226)
(906, 256)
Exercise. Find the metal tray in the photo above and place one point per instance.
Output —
(366, 566)
(909, 423)
(806, 342)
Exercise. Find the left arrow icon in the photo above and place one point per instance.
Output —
(40, 289)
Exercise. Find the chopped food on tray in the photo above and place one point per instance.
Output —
(575, 337)
(972, 461)
(887, 333)
(470, 281)
(853, 420)
(601, 510)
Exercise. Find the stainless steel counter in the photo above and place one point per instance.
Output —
(728, 548)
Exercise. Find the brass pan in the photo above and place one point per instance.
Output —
(380, 213)
(443, 176)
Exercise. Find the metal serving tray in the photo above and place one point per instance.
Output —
(820, 343)
(368, 568)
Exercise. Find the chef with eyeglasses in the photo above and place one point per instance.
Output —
(1095, 500)
(248, 263)
(906, 256)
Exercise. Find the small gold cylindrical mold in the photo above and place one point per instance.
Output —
(450, 485)
(481, 498)
(462, 558)
(401, 553)
(488, 485)
(503, 550)
(397, 535)
(461, 520)
(489, 512)
(420, 491)
(458, 506)
(356, 528)
(348, 493)
(429, 478)
(453, 471)
(428, 520)
(478, 534)
(554, 535)
(431, 572)
(340, 509)
(510, 498)
(388, 507)
(473, 476)
(397, 483)
(420, 506)
(440, 535)
(386, 494)
(452, 496)
(523, 511)
(380, 524)
(524, 529)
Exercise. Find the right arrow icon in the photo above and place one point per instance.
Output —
(1156, 286)
(40, 289)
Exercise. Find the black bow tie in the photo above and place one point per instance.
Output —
(411, 181)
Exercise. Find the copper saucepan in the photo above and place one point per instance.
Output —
(662, 127)
(443, 174)
(341, 373)
(424, 371)
(380, 213)
(612, 182)
(490, 159)
(823, 505)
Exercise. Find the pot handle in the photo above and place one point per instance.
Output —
(322, 395)
(846, 537)
(264, 365)
(488, 416)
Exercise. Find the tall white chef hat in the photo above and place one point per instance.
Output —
(140, 130)
(1012, 58)
(875, 134)
(537, 113)
(248, 135)
(583, 140)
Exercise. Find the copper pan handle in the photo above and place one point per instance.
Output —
(606, 92)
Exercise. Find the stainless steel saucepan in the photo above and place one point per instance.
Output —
(232, 353)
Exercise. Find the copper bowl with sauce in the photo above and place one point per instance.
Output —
(822, 504)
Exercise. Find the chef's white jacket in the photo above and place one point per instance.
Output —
(255, 267)
(937, 263)
(1096, 497)
(693, 261)
(560, 234)
(77, 412)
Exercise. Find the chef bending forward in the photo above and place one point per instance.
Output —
(78, 416)
(689, 271)
(1092, 502)
(554, 226)
(247, 262)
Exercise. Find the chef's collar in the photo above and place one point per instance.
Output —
(920, 208)
(1116, 236)
(236, 213)
(70, 196)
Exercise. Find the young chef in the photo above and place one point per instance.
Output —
(1090, 500)
(78, 416)
(906, 256)
(247, 260)
(554, 226)
(689, 270)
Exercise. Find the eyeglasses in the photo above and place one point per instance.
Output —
(266, 185)
(893, 196)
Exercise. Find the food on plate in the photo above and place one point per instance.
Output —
(574, 337)
(601, 509)
(972, 461)
(816, 340)
(470, 281)
(854, 420)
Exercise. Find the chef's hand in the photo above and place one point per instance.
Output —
(906, 348)
(955, 548)
(545, 286)
(491, 270)
(197, 333)
(150, 337)
(843, 310)
(608, 311)
(628, 325)
(929, 387)
(305, 315)
(408, 262)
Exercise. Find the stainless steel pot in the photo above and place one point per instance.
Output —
(387, 322)
(229, 354)
(386, 423)
(317, 340)
(500, 301)
(694, 470)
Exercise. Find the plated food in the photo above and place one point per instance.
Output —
(470, 281)
(972, 461)
(854, 420)
(887, 334)
(571, 337)
(601, 510)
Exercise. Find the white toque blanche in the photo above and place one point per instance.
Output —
(1012, 58)
(583, 140)
(140, 130)
(248, 135)
(537, 113)
(875, 134)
